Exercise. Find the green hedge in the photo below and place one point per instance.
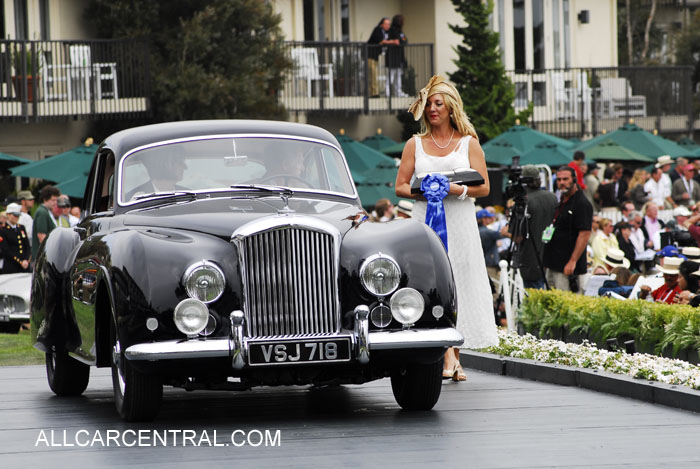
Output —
(655, 327)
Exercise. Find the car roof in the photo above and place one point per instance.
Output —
(122, 142)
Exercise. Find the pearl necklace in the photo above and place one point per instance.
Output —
(448, 142)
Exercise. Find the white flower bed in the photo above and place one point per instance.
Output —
(638, 365)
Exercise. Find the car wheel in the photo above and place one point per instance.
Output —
(137, 395)
(66, 375)
(10, 327)
(417, 386)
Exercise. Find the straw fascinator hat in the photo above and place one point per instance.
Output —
(438, 85)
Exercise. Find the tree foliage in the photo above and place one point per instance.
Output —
(688, 52)
(639, 13)
(481, 79)
(208, 58)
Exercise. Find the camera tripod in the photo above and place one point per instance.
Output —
(512, 291)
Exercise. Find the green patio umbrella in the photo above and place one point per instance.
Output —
(395, 150)
(609, 150)
(370, 193)
(500, 152)
(548, 153)
(362, 158)
(378, 142)
(634, 138)
(689, 144)
(525, 138)
(60, 168)
(74, 187)
(12, 160)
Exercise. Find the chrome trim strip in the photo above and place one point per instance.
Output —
(174, 349)
(362, 334)
(18, 316)
(415, 338)
(354, 195)
(239, 349)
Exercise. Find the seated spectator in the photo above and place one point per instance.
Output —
(637, 191)
(621, 285)
(404, 209)
(667, 292)
(624, 241)
(691, 253)
(604, 240)
(687, 282)
(489, 241)
(685, 190)
(651, 223)
(383, 210)
(614, 257)
(595, 228)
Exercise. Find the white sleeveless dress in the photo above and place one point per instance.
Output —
(475, 319)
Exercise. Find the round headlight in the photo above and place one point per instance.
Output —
(407, 306)
(380, 274)
(204, 281)
(191, 316)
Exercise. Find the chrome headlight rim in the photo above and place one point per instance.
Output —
(366, 264)
(208, 265)
(204, 320)
(394, 307)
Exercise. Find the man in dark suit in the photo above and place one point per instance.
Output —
(613, 193)
(15, 250)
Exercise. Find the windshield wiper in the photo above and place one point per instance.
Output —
(164, 194)
(264, 188)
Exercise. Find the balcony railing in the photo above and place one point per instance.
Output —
(578, 102)
(354, 76)
(49, 80)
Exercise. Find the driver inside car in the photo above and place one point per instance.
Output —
(166, 167)
(290, 170)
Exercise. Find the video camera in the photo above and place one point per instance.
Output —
(677, 238)
(516, 183)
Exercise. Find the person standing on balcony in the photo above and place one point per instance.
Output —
(448, 141)
(380, 36)
(395, 58)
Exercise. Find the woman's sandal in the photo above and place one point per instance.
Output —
(459, 374)
(449, 373)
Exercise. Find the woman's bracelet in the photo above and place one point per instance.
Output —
(463, 195)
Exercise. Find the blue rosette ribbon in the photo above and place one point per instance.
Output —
(435, 187)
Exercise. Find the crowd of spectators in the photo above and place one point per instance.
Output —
(24, 225)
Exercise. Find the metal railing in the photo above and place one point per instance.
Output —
(88, 79)
(579, 102)
(354, 76)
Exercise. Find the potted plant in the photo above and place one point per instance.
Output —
(23, 63)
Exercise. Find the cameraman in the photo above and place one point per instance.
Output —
(567, 236)
(540, 206)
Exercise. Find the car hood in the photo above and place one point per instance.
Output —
(16, 284)
(221, 217)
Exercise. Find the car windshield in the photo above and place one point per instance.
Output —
(221, 163)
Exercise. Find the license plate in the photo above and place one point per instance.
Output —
(291, 352)
(4, 318)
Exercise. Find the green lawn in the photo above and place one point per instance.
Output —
(17, 349)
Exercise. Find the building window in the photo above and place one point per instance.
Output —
(345, 20)
(538, 34)
(44, 20)
(556, 32)
(519, 33)
(21, 25)
(567, 33)
(309, 21)
(539, 93)
(502, 29)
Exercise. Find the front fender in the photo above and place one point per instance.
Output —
(52, 323)
(421, 256)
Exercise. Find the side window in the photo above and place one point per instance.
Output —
(103, 197)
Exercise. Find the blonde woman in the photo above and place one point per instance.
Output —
(604, 240)
(448, 141)
(638, 194)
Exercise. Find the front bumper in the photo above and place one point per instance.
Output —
(14, 317)
(236, 346)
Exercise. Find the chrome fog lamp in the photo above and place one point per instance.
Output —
(380, 274)
(407, 305)
(191, 316)
(204, 281)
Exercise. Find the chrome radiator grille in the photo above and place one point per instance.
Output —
(290, 282)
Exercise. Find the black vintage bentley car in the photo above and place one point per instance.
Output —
(233, 254)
